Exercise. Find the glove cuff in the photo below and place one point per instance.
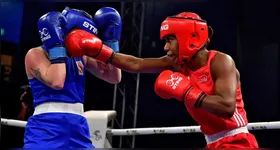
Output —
(113, 44)
(105, 55)
(57, 54)
(194, 97)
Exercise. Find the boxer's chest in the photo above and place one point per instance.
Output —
(202, 78)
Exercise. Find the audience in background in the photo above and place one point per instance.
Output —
(26, 101)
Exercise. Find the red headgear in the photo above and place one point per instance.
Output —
(190, 31)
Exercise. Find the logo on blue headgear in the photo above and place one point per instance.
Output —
(44, 34)
(79, 19)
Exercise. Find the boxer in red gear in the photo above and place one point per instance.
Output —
(207, 81)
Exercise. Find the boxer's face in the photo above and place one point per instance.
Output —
(171, 46)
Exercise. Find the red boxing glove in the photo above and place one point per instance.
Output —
(176, 85)
(80, 42)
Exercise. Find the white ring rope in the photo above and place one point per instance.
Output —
(186, 129)
(160, 130)
(12, 122)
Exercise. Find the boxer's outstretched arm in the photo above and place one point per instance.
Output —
(223, 103)
(107, 73)
(80, 41)
(39, 66)
(141, 65)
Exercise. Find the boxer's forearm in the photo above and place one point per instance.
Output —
(140, 65)
(126, 62)
(105, 72)
(218, 106)
(113, 74)
(38, 65)
(56, 73)
(53, 76)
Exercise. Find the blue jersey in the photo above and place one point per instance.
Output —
(74, 85)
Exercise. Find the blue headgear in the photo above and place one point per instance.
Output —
(79, 19)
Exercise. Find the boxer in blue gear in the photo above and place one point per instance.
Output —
(57, 82)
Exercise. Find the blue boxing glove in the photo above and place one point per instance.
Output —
(109, 23)
(50, 29)
(79, 19)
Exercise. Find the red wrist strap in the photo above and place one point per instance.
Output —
(105, 54)
(194, 96)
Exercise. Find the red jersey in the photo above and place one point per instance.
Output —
(211, 124)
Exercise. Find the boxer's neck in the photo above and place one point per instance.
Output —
(199, 60)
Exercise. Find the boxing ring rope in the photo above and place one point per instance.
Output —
(159, 130)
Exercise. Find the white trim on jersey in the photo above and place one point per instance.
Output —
(238, 118)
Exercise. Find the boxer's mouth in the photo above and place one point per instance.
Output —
(170, 54)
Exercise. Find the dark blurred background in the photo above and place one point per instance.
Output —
(247, 30)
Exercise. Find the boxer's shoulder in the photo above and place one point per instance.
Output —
(222, 59)
(35, 55)
(222, 63)
(35, 51)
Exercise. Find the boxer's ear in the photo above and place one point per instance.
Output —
(210, 32)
